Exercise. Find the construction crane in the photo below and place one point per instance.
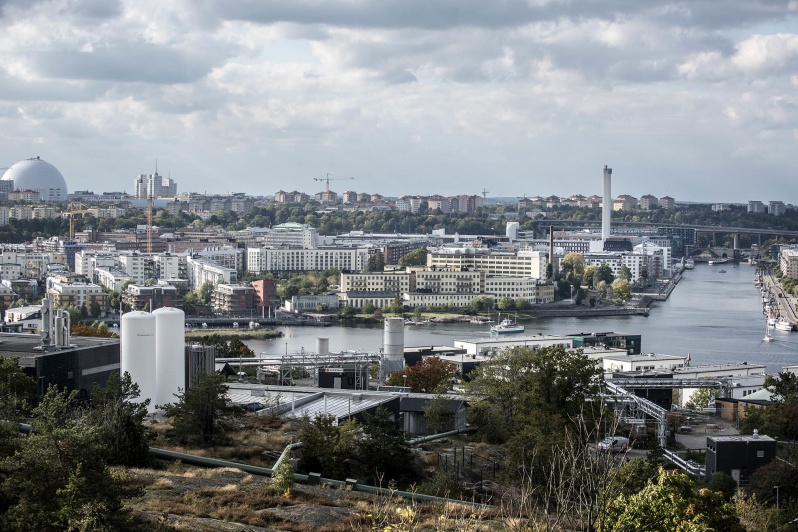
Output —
(328, 179)
(149, 222)
(74, 208)
(326, 195)
(485, 193)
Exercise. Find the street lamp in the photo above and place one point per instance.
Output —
(572, 294)
(777, 497)
(404, 380)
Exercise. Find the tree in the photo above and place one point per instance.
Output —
(119, 418)
(96, 309)
(573, 265)
(431, 375)
(16, 389)
(201, 413)
(624, 273)
(325, 445)
(589, 275)
(536, 393)
(376, 262)
(506, 303)
(481, 304)
(522, 304)
(671, 503)
(604, 273)
(780, 419)
(205, 292)
(368, 307)
(436, 413)
(721, 482)
(621, 289)
(58, 479)
(776, 473)
(384, 453)
(417, 257)
(702, 398)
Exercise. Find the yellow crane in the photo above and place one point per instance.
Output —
(74, 208)
(149, 222)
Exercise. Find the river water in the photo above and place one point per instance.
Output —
(716, 317)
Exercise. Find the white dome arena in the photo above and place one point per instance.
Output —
(41, 176)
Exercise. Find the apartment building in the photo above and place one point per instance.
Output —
(149, 298)
(233, 299)
(201, 271)
(524, 263)
(265, 259)
(77, 295)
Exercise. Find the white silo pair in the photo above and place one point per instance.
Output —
(153, 352)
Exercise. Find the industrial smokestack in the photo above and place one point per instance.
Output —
(606, 210)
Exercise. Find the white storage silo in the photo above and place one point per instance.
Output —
(511, 231)
(393, 345)
(137, 353)
(170, 356)
(322, 346)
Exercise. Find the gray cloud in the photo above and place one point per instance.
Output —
(125, 62)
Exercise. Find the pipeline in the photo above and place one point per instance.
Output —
(314, 478)
(433, 437)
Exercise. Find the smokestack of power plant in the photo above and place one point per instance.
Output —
(606, 210)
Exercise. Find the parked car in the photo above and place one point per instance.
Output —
(614, 444)
(253, 406)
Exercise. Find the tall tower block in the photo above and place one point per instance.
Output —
(606, 205)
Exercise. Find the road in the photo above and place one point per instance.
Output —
(785, 301)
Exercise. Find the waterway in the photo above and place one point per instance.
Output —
(715, 317)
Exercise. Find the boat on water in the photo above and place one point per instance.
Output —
(689, 264)
(783, 324)
(507, 325)
(718, 261)
(417, 322)
(772, 321)
(721, 271)
(768, 337)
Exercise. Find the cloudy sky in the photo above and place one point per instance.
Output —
(695, 99)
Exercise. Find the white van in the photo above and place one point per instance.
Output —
(615, 444)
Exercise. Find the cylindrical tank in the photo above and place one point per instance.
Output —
(170, 356)
(322, 346)
(393, 345)
(511, 231)
(137, 357)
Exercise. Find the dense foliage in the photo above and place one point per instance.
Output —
(201, 414)
(431, 375)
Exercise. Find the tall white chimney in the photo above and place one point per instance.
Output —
(606, 210)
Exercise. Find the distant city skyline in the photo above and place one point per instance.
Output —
(688, 100)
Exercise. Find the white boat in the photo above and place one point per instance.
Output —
(417, 322)
(719, 261)
(771, 321)
(768, 337)
(783, 324)
(689, 264)
(507, 325)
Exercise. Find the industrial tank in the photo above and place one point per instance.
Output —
(393, 342)
(322, 346)
(170, 357)
(137, 356)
